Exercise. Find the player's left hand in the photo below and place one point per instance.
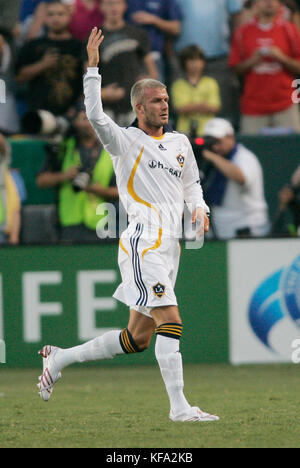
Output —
(199, 215)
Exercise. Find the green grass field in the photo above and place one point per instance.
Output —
(128, 408)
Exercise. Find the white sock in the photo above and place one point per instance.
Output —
(170, 363)
(104, 347)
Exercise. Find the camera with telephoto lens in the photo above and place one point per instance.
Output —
(199, 145)
(44, 124)
(204, 143)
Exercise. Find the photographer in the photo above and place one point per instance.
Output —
(83, 174)
(10, 205)
(289, 197)
(233, 186)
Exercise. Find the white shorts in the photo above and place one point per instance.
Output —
(149, 267)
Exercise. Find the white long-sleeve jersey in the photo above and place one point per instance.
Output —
(155, 176)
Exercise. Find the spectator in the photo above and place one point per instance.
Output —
(289, 197)
(207, 24)
(125, 57)
(160, 19)
(196, 98)
(32, 18)
(9, 120)
(78, 197)
(9, 18)
(52, 65)
(20, 184)
(85, 15)
(10, 206)
(289, 11)
(28, 9)
(248, 12)
(266, 53)
(234, 188)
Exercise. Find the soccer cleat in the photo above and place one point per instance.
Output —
(194, 414)
(51, 373)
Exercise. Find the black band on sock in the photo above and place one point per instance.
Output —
(127, 342)
(170, 330)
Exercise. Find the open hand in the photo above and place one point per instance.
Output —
(94, 43)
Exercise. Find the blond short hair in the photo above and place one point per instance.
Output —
(138, 90)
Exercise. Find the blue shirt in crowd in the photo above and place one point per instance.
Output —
(165, 9)
(28, 7)
(206, 24)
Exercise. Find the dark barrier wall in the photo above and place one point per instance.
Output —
(63, 296)
(279, 156)
(28, 157)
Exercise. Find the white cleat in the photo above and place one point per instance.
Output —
(194, 414)
(51, 374)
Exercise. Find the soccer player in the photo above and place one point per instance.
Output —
(156, 172)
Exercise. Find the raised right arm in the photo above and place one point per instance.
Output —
(114, 138)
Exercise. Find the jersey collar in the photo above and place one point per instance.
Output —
(166, 128)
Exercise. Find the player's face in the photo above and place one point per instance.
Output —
(57, 18)
(155, 107)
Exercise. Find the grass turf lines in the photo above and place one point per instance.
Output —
(126, 407)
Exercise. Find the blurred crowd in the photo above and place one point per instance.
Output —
(231, 66)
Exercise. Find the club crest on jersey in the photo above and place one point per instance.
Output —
(152, 164)
(180, 158)
(159, 290)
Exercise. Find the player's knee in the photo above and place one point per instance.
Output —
(165, 315)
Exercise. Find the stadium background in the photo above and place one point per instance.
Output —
(239, 301)
(62, 294)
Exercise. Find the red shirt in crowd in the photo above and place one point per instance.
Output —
(85, 19)
(267, 87)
